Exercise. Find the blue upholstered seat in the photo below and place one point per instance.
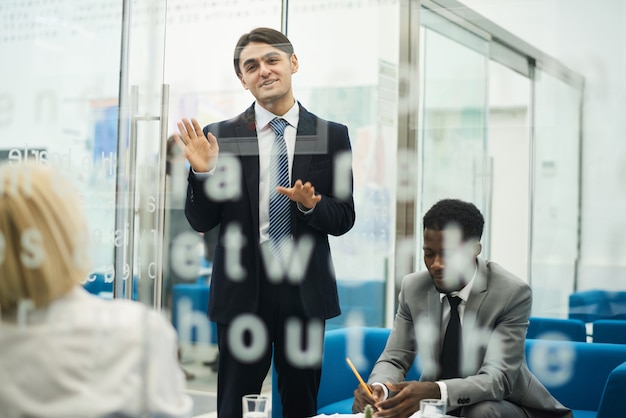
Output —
(360, 299)
(577, 373)
(97, 283)
(556, 329)
(338, 382)
(590, 378)
(609, 331)
(197, 297)
(592, 305)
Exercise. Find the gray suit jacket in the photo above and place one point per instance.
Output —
(494, 333)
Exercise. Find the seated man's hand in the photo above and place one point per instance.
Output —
(362, 398)
(407, 401)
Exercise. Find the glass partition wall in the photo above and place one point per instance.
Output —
(510, 164)
(90, 94)
(556, 197)
(452, 114)
(499, 125)
(348, 74)
(432, 99)
(141, 164)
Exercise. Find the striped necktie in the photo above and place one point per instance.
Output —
(280, 218)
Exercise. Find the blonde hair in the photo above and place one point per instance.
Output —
(43, 235)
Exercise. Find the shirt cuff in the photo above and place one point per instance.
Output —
(203, 175)
(443, 388)
(305, 211)
(385, 390)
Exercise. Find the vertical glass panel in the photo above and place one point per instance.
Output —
(199, 70)
(140, 181)
(348, 74)
(58, 105)
(199, 50)
(453, 113)
(508, 236)
(199, 45)
(555, 215)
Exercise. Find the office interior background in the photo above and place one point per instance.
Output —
(515, 105)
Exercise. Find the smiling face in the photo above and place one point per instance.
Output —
(266, 71)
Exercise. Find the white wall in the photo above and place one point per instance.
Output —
(588, 37)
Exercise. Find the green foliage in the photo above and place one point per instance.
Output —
(369, 412)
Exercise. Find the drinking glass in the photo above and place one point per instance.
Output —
(255, 406)
(433, 408)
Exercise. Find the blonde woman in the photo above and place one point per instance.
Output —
(64, 352)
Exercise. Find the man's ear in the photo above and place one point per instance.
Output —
(478, 247)
(243, 83)
(294, 63)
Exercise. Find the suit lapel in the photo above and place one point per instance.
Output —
(310, 139)
(472, 335)
(248, 149)
(478, 293)
(432, 350)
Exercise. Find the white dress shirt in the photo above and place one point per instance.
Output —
(82, 356)
(265, 135)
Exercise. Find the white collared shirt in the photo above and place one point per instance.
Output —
(82, 356)
(463, 294)
(265, 136)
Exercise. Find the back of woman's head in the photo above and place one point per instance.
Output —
(43, 235)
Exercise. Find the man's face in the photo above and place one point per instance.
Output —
(266, 71)
(449, 260)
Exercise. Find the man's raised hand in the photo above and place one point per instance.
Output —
(201, 151)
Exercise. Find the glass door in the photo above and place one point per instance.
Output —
(89, 89)
(452, 130)
(509, 145)
(556, 186)
(141, 151)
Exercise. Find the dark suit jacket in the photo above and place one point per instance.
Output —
(318, 144)
(494, 333)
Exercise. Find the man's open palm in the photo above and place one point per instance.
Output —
(201, 151)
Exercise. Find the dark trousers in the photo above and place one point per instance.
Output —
(297, 386)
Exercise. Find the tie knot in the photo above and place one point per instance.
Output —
(278, 125)
(454, 301)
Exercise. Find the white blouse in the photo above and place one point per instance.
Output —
(82, 356)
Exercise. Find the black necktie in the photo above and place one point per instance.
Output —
(451, 348)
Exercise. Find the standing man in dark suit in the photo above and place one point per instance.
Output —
(273, 283)
(484, 374)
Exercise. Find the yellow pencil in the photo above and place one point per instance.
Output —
(358, 376)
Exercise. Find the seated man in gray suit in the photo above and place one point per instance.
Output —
(482, 372)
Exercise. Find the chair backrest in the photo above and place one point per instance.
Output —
(556, 329)
(363, 345)
(609, 331)
(611, 404)
(574, 372)
(96, 283)
(362, 300)
(595, 304)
